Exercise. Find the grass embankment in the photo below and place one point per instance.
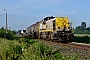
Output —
(81, 35)
(82, 38)
(28, 49)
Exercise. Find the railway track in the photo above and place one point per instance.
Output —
(77, 45)
(82, 46)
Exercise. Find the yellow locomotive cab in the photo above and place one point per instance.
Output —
(62, 22)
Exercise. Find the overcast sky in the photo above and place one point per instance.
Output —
(23, 13)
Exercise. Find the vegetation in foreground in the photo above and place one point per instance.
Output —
(28, 49)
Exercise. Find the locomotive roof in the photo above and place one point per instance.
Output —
(48, 18)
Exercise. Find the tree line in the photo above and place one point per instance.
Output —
(82, 29)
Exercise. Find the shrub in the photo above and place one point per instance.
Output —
(84, 39)
(8, 35)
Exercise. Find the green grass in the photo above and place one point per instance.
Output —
(29, 49)
(81, 35)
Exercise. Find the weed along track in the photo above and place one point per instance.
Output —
(69, 48)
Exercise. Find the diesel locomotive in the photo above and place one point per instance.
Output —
(52, 28)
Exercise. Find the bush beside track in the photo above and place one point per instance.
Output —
(82, 38)
(8, 35)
